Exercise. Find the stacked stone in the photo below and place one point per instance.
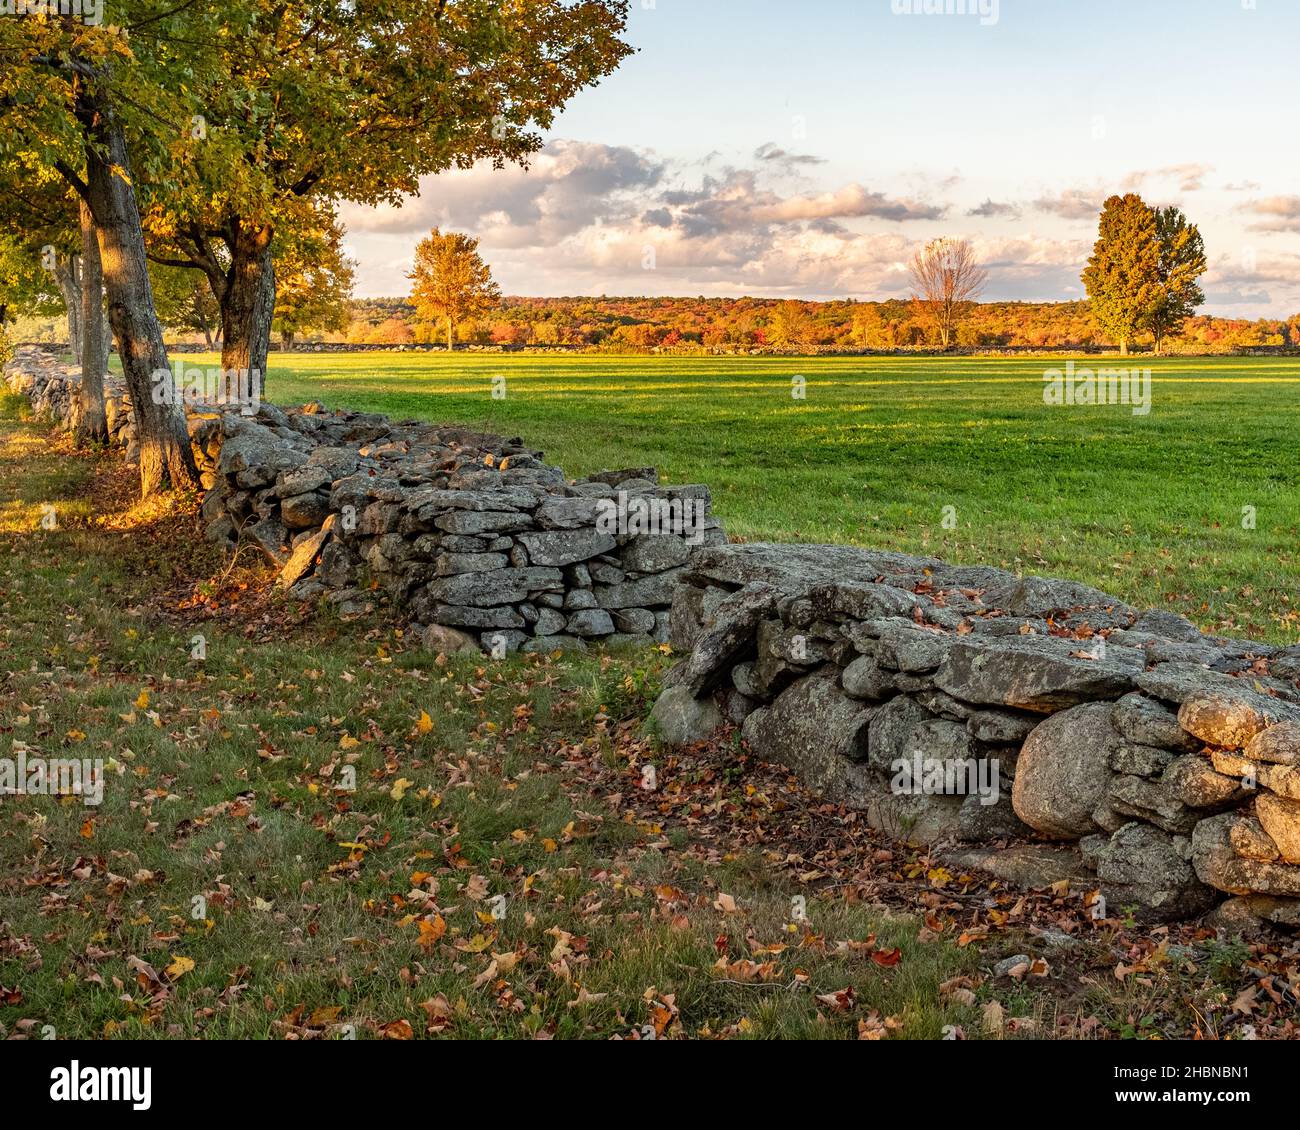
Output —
(1132, 735)
(475, 536)
(52, 388)
(1254, 852)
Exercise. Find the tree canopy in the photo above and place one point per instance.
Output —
(450, 280)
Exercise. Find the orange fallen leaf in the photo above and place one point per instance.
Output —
(431, 930)
(397, 1030)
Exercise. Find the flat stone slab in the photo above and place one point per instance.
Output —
(1025, 865)
(796, 569)
(1039, 673)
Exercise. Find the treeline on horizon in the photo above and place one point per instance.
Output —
(726, 324)
(744, 324)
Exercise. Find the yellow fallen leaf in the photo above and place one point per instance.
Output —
(425, 724)
(347, 741)
(399, 787)
(179, 967)
(142, 700)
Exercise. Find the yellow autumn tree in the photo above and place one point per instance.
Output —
(450, 281)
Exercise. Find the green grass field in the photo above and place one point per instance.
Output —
(1149, 507)
(494, 870)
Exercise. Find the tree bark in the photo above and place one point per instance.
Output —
(1123, 347)
(248, 303)
(68, 278)
(92, 421)
(451, 335)
(166, 459)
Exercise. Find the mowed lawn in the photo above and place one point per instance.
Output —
(1150, 507)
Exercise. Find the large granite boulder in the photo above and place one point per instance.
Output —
(1064, 774)
(814, 728)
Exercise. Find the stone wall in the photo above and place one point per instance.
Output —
(896, 684)
(952, 704)
(473, 536)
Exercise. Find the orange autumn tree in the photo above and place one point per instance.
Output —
(451, 281)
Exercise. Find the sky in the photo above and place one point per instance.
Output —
(805, 149)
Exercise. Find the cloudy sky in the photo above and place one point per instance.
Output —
(803, 149)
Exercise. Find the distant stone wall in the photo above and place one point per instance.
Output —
(472, 535)
(897, 684)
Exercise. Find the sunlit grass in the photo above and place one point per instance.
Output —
(1150, 507)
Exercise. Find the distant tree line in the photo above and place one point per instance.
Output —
(687, 324)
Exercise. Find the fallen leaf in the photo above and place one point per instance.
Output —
(179, 967)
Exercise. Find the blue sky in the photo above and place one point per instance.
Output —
(756, 147)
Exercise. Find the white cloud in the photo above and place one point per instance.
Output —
(584, 218)
(1072, 204)
(1278, 213)
(1190, 177)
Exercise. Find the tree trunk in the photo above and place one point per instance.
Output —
(92, 422)
(451, 335)
(68, 277)
(286, 341)
(248, 304)
(165, 456)
(1123, 347)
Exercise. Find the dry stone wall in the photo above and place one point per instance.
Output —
(966, 704)
(474, 536)
(953, 704)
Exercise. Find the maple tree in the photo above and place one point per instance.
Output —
(73, 94)
(1123, 273)
(326, 101)
(1182, 261)
(451, 281)
(315, 281)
